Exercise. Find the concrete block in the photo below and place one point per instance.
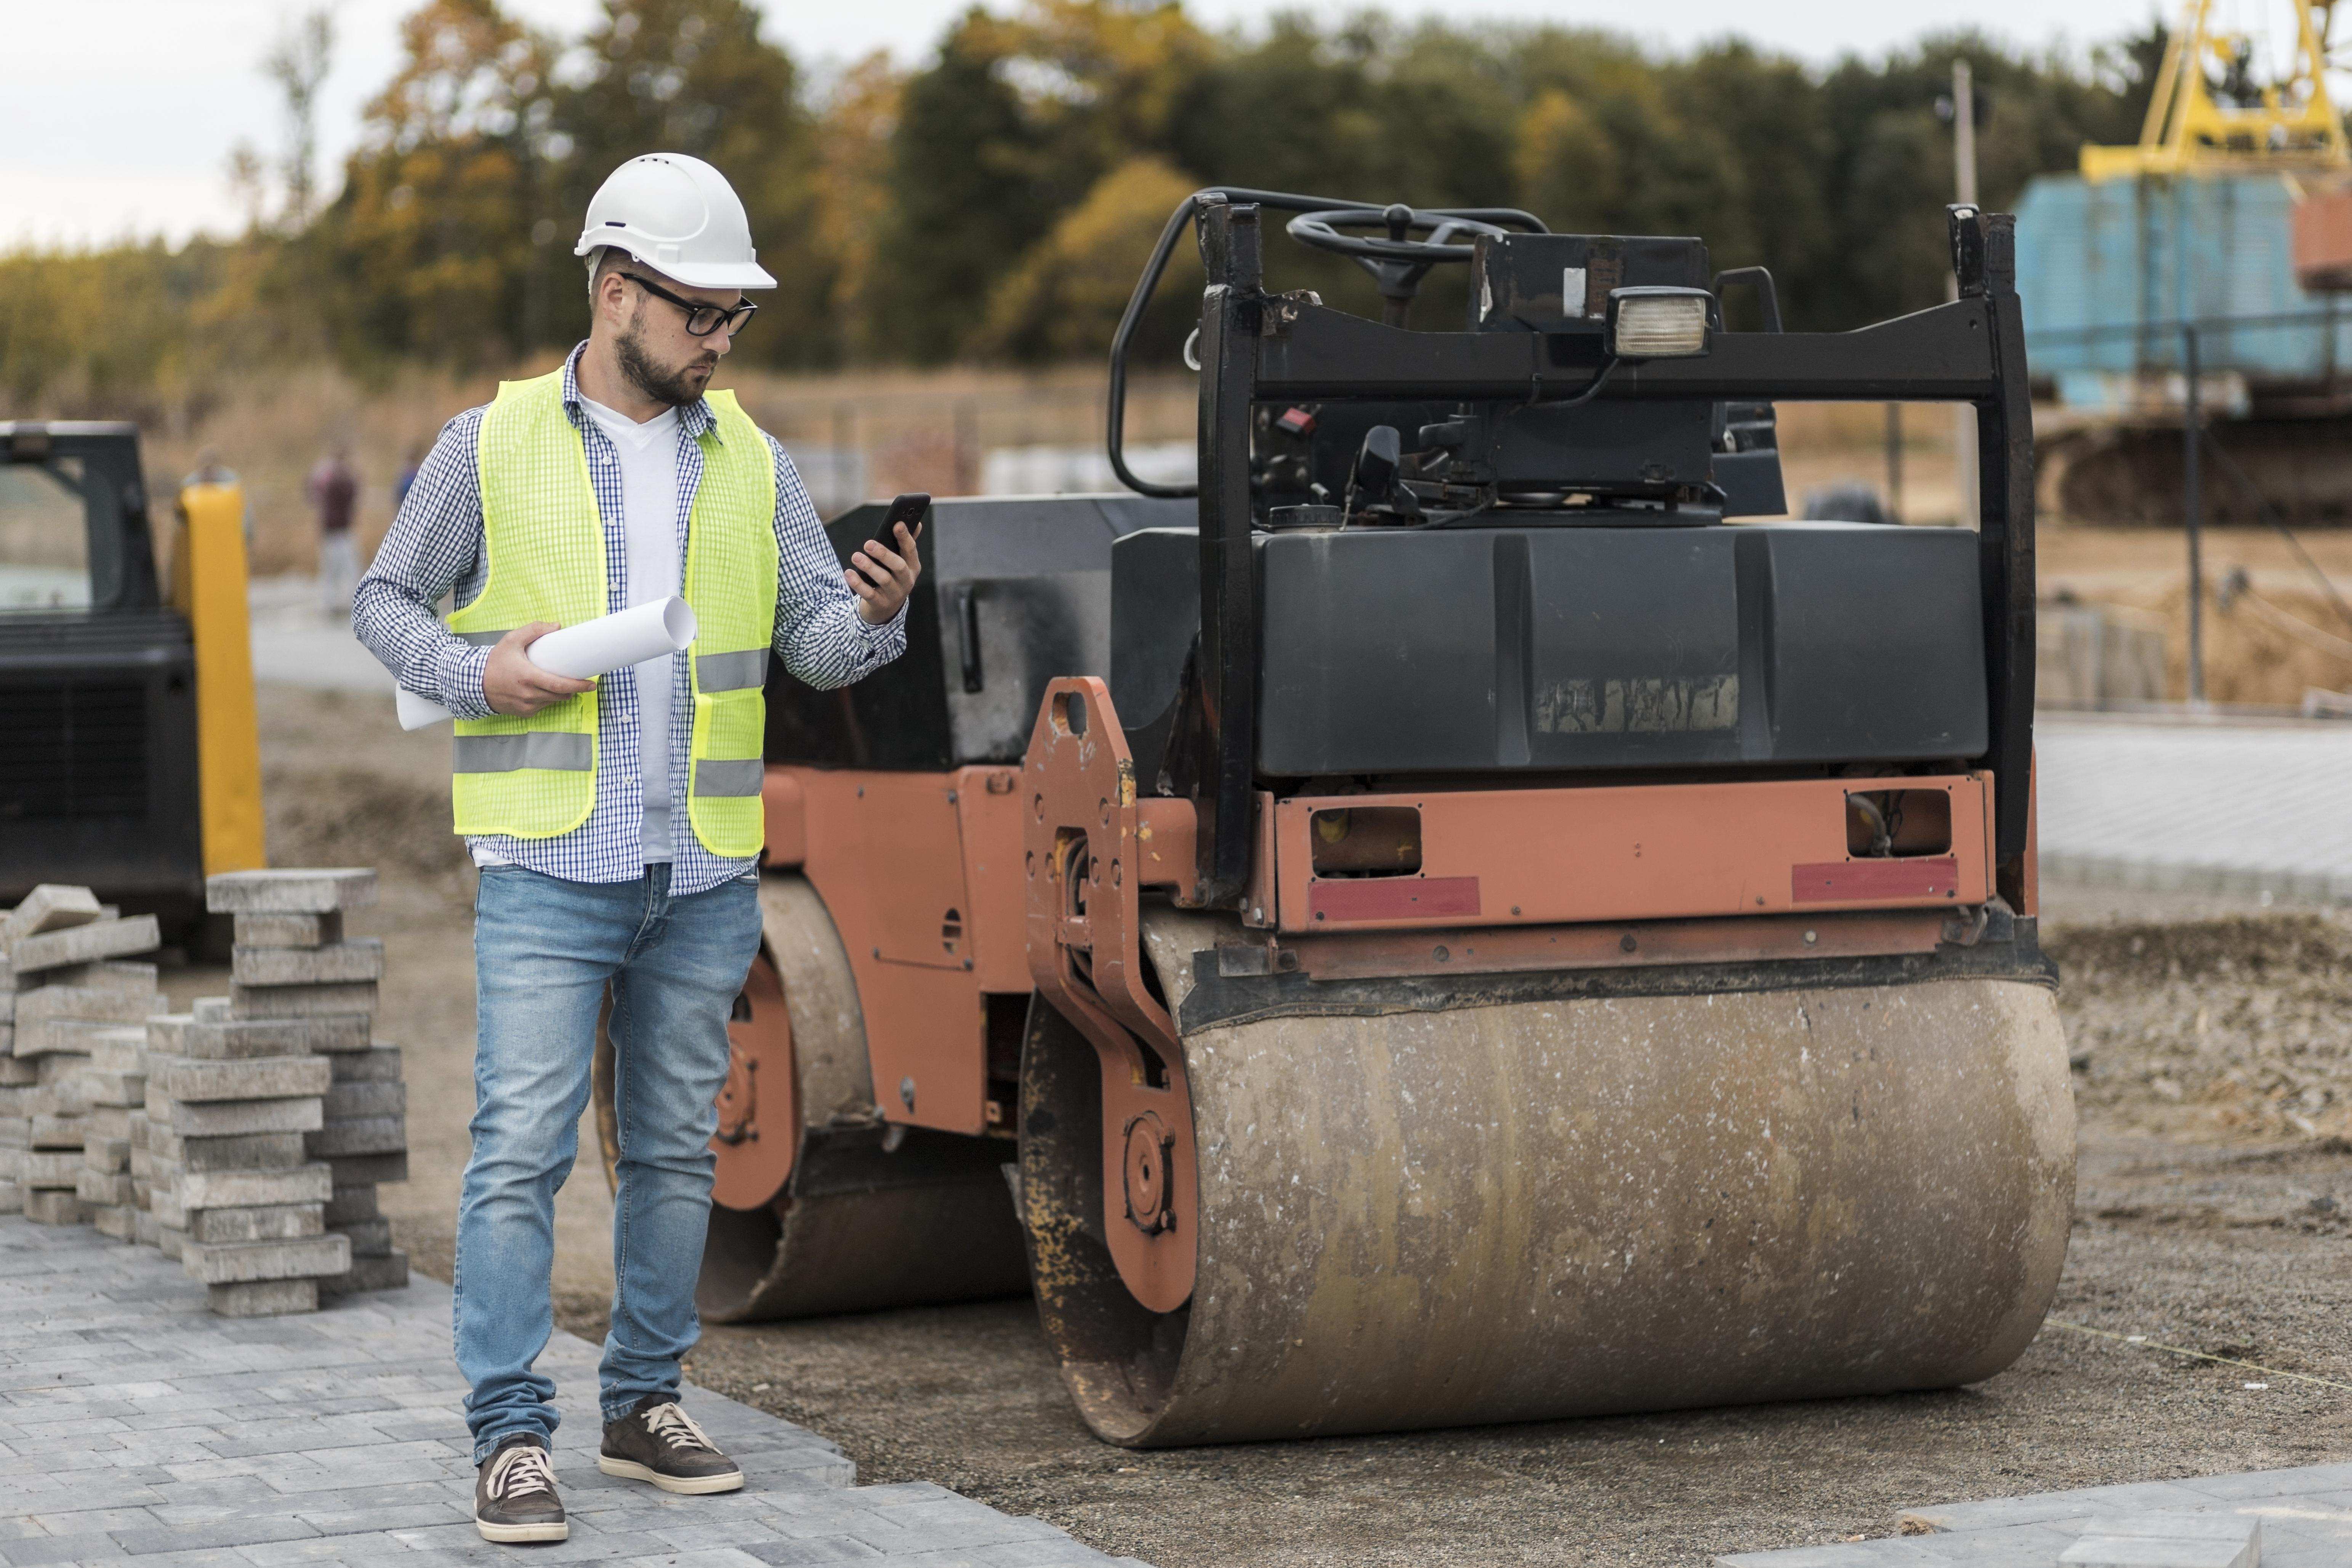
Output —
(368, 1170)
(57, 1133)
(119, 1221)
(350, 1204)
(188, 1079)
(77, 1036)
(302, 1001)
(210, 1010)
(263, 1298)
(169, 1241)
(12, 1197)
(63, 1070)
(113, 974)
(226, 1039)
(235, 1151)
(119, 1050)
(143, 1228)
(338, 963)
(52, 906)
(2161, 1538)
(109, 1121)
(142, 1191)
(137, 1128)
(115, 1090)
(290, 931)
(92, 1003)
(85, 943)
(52, 1206)
(232, 1118)
(346, 1100)
(369, 1237)
(15, 1132)
(235, 1264)
(47, 1169)
(106, 1154)
(266, 1222)
(103, 1187)
(60, 1098)
(290, 892)
(378, 1063)
(358, 1136)
(15, 1072)
(202, 1190)
(389, 1272)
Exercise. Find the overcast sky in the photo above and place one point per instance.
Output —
(118, 116)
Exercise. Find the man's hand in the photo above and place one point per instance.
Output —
(518, 687)
(888, 577)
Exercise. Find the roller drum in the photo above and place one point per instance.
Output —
(866, 1220)
(1578, 1207)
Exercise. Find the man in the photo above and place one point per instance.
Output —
(335, 492)
(616, 823)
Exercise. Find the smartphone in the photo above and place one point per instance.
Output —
(907, 508)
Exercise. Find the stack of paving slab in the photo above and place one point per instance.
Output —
(272, 1113)
(72, 1012)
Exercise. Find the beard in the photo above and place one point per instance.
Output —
(677, 387)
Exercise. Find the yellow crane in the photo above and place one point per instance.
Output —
(2208, 117)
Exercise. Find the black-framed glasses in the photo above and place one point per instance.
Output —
(701, 320)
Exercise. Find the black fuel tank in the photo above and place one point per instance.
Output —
(1480, 649)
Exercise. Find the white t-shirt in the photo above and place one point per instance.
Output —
(648, 454)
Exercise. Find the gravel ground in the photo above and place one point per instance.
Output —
(2215, 1195)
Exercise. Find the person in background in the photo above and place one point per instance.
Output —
(408, 476)
(334, 489)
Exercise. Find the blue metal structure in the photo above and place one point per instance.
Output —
(2108, 272)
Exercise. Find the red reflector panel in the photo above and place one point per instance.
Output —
(1392, 897)
(1840, 881)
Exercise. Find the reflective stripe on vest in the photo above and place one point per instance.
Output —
(542, 748)
(730, 671)
(544, 548)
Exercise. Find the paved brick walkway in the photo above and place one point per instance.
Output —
(2235, 808)
(134, 1424)
(2306, 1514)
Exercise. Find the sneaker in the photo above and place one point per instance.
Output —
(658, 1442)
(514, 1496)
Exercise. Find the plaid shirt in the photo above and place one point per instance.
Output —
(434, 548)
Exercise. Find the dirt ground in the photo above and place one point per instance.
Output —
(2214, 1075)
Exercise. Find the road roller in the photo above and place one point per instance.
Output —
(1457, 915)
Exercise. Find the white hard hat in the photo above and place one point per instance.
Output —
(679, 216)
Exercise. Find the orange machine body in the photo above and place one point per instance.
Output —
(924, 875)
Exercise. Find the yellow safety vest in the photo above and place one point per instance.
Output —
(544, 542)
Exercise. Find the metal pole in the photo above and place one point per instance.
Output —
(1895, 462)
(1964, 186)
(2192, 510)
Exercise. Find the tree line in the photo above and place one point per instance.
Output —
(994, 199)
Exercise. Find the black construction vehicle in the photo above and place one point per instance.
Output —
(128, 762)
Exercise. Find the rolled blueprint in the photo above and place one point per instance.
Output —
(587, 650)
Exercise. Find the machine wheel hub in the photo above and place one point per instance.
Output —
(1148, 1145)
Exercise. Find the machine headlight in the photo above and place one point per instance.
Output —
(1658, 323)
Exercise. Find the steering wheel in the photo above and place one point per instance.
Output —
(1397, 261)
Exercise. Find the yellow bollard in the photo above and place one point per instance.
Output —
(209, 587)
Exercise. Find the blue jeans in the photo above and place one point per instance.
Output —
(544, 951)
